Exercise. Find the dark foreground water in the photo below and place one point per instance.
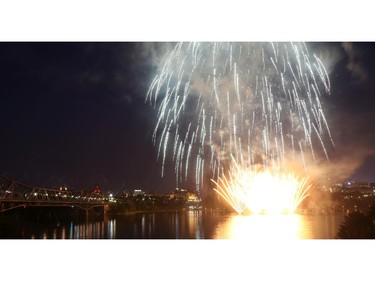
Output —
(189, 225)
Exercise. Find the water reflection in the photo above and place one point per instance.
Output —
(162, 225)
(281, 226)
(195, 224)
(93, 230)
(263, 227)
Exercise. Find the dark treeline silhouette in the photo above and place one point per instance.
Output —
(358, 225)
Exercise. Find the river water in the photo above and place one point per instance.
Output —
(194, 224)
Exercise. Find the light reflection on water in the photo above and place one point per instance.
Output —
(283, 227)
(198, 225)
(264, 227)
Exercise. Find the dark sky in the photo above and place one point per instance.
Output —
(74, 113)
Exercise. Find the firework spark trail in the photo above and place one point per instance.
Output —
(254, 101)
(232, 194)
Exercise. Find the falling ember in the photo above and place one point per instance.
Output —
(261, 190)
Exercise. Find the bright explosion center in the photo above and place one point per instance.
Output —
(262, 191)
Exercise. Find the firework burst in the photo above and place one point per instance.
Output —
(243, 105)
(261, 190)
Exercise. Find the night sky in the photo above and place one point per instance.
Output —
(73, 113)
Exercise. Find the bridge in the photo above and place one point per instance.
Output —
(16, 195)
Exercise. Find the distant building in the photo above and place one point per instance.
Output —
(97, 189)
(125, 194)
(138, 192)
(360, 184)
(356, 184)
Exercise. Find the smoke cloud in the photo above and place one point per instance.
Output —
(354, 65)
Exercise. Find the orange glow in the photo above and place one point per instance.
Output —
(264, 228)
(262, 191)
